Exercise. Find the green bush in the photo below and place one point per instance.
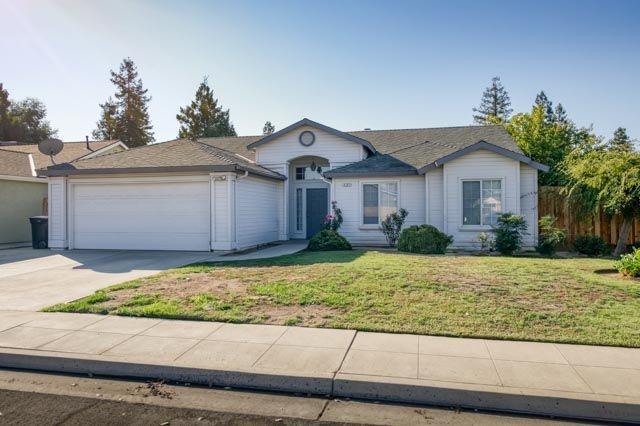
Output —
(509, 232)
(629, 264)
(550, 237)
(424, 239)
(327, 240)
(631, 247)
(591, 245)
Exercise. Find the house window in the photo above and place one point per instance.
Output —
(305, 173)
(299, 209)
(481, 202)
(378, 201)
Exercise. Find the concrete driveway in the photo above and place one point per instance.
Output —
(33, 279)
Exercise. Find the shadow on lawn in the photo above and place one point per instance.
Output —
(301, 258)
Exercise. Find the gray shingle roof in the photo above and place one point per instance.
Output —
(15, 164)
(176, 155)
(401, 151)
(70, 151)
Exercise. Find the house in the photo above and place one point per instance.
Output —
(237, 192)
(22, 192)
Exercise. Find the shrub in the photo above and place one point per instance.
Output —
(509, 232)
(424, 239)
(327, 240)
(392, 225)
(629, 264)
(591, 245)
(333, 220)
(486, 241)
(550, 236)
(631, 247)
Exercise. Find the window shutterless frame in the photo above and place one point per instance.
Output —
(461, 201)
(362, 183)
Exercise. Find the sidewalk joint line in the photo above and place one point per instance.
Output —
(346, 352)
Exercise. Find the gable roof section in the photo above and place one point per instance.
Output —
(17, 164)
(375, 166)
(306, 122)
(173, 156)
(70, 151)
(489, 147)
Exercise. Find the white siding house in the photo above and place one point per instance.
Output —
(234, 193)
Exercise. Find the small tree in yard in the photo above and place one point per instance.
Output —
(509, 232)
(550, 236)
(392, 225)
(333, 220)
(609, 179)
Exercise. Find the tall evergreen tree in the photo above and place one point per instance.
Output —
(131, 123)
(621, 141)
(543, 102)
(268, 128)
(108, 122)
(560, 114)
(495, 104)
(204, 117)
(23, 121)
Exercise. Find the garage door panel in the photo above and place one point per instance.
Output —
(152, 216)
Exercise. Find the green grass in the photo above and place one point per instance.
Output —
(577, 300)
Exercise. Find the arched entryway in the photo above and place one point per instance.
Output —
(309, 195)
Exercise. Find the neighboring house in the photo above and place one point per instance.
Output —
(236, 192)
(22, 192)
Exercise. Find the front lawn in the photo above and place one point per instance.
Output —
(576, 300)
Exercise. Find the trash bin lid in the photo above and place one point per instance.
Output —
(39, 219)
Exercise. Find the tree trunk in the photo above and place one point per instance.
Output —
(623, 236)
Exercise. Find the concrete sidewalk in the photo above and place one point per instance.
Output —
(540, 378)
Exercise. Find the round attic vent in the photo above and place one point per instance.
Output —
(307, 138)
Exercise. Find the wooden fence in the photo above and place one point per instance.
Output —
(552, 202)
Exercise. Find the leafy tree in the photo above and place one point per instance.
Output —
(129, 121)
(268, 128)
(607, 179)
(543, 102)
(23, 121)
(108, 122)
(621, 141)
(204, 117)
(495, 104)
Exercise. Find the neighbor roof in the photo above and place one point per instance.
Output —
(15, 164)
(176, 155)
(71, 151)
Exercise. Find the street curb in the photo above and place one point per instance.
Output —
(492, 398)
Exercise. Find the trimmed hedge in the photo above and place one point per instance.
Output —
(327, 240)
(425, 239)
(591, 245)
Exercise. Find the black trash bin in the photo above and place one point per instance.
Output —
(39, 232)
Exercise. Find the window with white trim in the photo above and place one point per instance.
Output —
(481, 202)
(378, 201)
(298, 209)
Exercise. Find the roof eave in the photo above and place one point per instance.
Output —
(307, 122)
(168, 169)
(489, 147)
(380, 173)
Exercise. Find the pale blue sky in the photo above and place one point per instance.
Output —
(347, 64)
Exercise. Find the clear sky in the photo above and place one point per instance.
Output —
(347, 64)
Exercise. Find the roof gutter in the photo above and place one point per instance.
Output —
(168, 169)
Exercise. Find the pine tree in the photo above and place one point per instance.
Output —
(107, 125)
(547, 106)
(204, 117)
(268, 128)
(132, 122)
(4, 112)
(560, 115)
(621, 141)
(494, 105)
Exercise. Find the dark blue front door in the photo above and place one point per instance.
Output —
(317, 205)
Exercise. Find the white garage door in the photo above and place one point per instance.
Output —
(141, 216)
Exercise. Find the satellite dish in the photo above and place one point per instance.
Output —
(50, 147)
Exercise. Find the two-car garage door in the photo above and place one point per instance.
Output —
(156, 216)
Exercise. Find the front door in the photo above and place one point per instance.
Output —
(317, 205)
